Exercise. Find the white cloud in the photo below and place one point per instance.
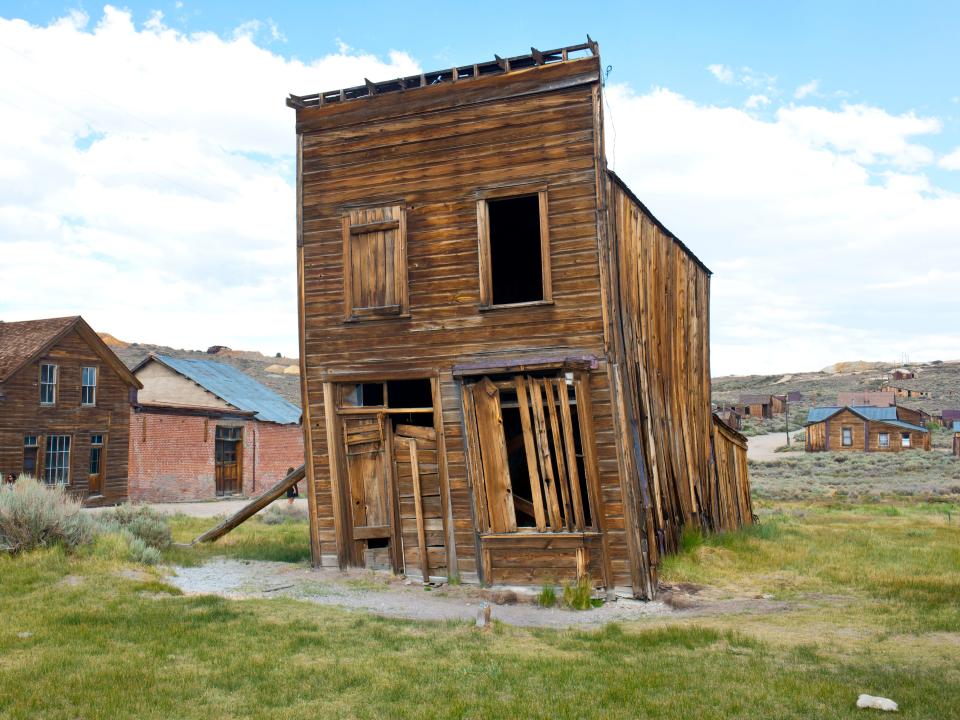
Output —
(813, 241)
(721, 73)
(146, 177)
(756, 101)
(951, 161)
(806, 89)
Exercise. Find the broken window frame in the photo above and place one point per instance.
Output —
(561, 497)
(905, 440)
(483, 239)
(354, 226)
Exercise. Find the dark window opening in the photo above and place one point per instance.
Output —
(515, 259)
(410, 393)
(517, 462)
(363, 395)
(378, 542)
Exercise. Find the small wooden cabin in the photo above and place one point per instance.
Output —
(902, 374)
(65, 402)
(504, 354)
(862, 429)
(902, 391)
(203, 429)
(758, 406)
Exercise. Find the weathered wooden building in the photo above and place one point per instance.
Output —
(863, 429)
(906, 391)
(505, 355)
(758, 406)
(203, 429)
(65, 402)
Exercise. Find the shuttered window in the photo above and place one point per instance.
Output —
(375, 262)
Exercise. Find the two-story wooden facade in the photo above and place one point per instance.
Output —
(504, 355)
(65, 402)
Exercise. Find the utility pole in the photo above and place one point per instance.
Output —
(786, 423)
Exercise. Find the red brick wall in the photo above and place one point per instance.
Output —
(172, 456)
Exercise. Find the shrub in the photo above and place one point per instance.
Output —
(138, 550)
(141, 522)
(547, 597)
(278, 514)
(579, 595)
(33, 515)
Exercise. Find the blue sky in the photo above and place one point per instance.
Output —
(799, 148)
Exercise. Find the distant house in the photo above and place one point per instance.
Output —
(778, 404)
(948, 417)
(794, 396)
(64, 403)
(760, 406)
(866, 398)
(905, 392)
(903, 375)
(916, 416)
(862, 429)
(956, 438)
(730, 417)
(203, 429)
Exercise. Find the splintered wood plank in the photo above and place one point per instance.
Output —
(474, 460)
(548, 388)
(543, 455)
(573, 472)
(530, 452)
(493, 455)
(418, 507)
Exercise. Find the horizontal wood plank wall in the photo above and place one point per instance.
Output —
(435, 163)
(665, 304)
(21, 414)
(828, 435)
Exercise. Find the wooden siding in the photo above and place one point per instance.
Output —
(828, 435)
(733, 506)
(21, 414)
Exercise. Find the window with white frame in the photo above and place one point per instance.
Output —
(905, 439)
(88, 386)
(847, 437)
(56, 460)
(883, 439)
(48, 384)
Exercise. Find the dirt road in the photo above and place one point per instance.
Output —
(762, 447)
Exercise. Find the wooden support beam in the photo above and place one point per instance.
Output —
(537, 56)
(252, 508)
(418, 509)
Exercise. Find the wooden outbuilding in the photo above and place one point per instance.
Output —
(902, 374)
(65, 402)
(758, 406)
(902, 391)
(862, 429)
(504, 354)
(203, 429)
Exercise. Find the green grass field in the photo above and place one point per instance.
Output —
(874, 606)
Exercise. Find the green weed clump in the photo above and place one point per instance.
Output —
(144, 524)
(579, 595)
(33, 515)
(547, 597)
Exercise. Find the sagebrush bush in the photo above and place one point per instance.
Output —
(277, 514)
(34, 515)
(141, 521)
(138, 550)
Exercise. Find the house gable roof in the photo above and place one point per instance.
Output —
(233, 387)
(23, 342)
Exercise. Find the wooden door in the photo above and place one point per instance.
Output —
(98, 458)
(420, 504)
(369, 485)
(227, 460)
(487, 425)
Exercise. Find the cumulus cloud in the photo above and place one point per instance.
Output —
(745, 76)
(146, 176)
(811, 236)
(756, 101)
(951, 161)
(806, 89)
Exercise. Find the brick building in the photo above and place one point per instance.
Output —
(203, 429)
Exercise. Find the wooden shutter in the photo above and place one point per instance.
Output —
(374, 262)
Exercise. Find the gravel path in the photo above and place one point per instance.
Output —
(762, 447)
(392, 596)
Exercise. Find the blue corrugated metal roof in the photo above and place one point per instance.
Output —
(887, 415)
(236, 388)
